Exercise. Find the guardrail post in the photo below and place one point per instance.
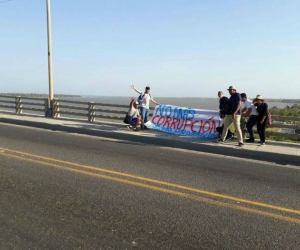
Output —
(92, 113)
(55, 109)
(19, 105)
(48, 108)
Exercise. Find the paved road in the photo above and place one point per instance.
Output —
(66, 191)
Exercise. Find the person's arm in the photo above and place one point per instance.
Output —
(248, 112)
(135, 89)
(237, 109)
(248, 109)
(155, 102)
(265, 113)
(131, 102)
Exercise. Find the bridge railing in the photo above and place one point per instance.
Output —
(19, 104)
(289, 127)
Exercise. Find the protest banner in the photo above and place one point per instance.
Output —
(185, 121)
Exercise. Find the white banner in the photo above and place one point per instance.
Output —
(185, 121)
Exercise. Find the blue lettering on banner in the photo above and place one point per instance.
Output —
(179, 113)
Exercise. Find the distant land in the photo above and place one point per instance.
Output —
(38, 95)
(281, 100)
(285, 100)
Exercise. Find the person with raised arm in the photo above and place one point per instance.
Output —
(144, 101)
(133, 118)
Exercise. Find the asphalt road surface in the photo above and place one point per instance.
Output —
(68, 191)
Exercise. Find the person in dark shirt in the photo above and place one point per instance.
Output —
(233, 116)
(262, 109)
(223, 105)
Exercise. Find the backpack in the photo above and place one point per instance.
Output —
(269, 119)
(140, 98)
(127, 119)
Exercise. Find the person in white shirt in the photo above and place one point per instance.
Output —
(133, 115)
(249, 110)
(144, 100)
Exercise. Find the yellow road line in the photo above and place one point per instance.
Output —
(227, 197)
(160, 189)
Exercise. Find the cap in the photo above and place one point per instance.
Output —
(231, 88)
(136, 102)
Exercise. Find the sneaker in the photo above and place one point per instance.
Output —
(132, 128)
(262, 143)
(240, 144)
(219, 141)
(129, 127)
(250, 140)
(229, 137)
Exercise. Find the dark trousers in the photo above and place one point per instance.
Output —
(253, 119)
(261, 129)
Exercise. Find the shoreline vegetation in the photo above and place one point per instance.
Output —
(293, 110)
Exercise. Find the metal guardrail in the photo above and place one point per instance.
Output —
(17, 103)
(93, 110)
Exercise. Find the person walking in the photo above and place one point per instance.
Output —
(223, 105)
(262, 109)
(144, 100)
(249, 110)
(233, 116)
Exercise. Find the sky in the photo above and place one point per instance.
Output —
(180, 48)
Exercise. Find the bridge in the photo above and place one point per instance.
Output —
(81, 180)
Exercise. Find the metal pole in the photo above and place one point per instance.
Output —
(49, 51)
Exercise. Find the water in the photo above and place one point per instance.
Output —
(189, 102)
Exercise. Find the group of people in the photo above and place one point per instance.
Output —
(139, 110)
(238, 112)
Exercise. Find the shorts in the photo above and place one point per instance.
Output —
(133, 121)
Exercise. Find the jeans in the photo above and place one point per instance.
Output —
(236, 122)
(144, 114)
(250, 124)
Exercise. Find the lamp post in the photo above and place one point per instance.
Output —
(49, 57)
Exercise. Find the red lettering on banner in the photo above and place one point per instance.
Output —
(163, 118)
(192, 125)
(168, 120)
(179, 127)
(154, 117)
(205, 126)
(174, 122)
(201, 126)
(187, 123)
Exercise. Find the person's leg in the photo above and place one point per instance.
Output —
(137, 122)
(250, 124)
(237, 125)
(147, 111)
(243, 126)
(132, 124)
(146, 115)
(143, 114)
(259, 130)
(227, 123)
(263, 131)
